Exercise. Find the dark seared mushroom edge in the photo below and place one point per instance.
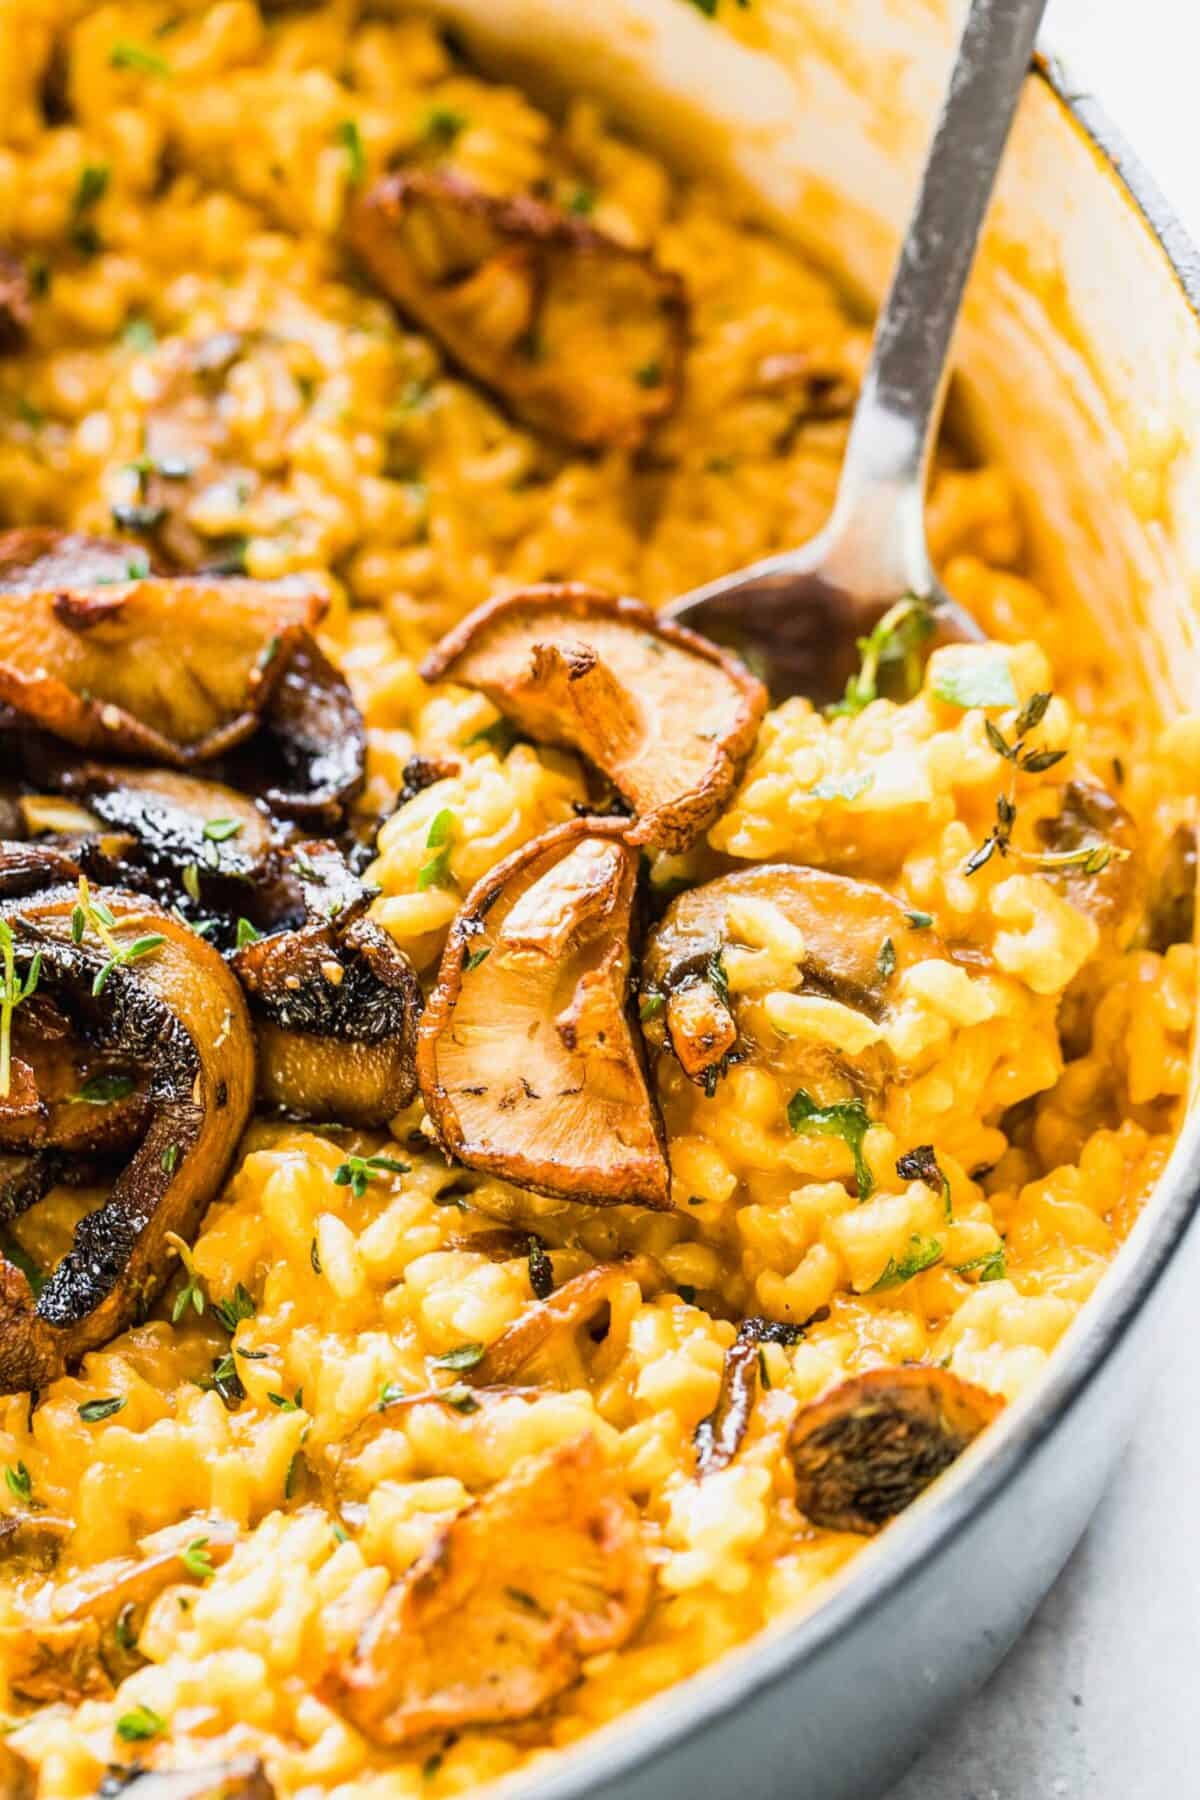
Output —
(127, 1069)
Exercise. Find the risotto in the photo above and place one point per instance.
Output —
(681, 1126)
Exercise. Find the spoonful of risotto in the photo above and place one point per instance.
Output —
(865, 584)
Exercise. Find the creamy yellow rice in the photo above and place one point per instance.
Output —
(353, 450)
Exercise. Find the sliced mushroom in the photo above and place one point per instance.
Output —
(867, 1450)
(495, 1620)
(843, 927)
(526, 1058)
(16, 303)
(581, 336)
(242, 1778)
(170, 1020)
(668, 717)
(113, 663)
(55, 1662)
(335, 1003)
(548, 1343)
(1171, 918)
(1091, 843)
(718, 1437)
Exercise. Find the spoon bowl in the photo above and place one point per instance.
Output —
(799, 618)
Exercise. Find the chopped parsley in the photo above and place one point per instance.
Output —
(349, 137)
(465, 1356)
(93, 1411)
(140, 1724)
(991, 1266)
(922, 1253)
(846, 1119)
(137, 58)
(357, 1171)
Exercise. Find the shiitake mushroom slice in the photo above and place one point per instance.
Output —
(528, 1064)
(581, 336)
(667, 717)
(864, 1452)
(149, 997)
(496, 1618)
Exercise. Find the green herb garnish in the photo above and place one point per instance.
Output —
(13, 990)
(192, 1292)
(922, 1253)
(992, 1266)
(846, 1119)
(229, 1313)
(197, 1561)
(466, 1356)
(896, 639)
(980, 681)
(218, 831)
(885, 962)
(141, 1723)
(135, 57)
(19, 1481)
(357, 1171)
(92, 1411)
(102, 1090)
(349, 137)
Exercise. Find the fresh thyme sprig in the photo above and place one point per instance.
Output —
(13, 989)
(88, 914)
(1089, 859)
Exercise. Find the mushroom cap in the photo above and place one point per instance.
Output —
(582, 337)
(668, 717)
(864, 1452)
(843, 924)
(528, 1064)
(494, 1621)
(112, 662)
(176, 1015)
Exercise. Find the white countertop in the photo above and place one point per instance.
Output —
(1097, 1700)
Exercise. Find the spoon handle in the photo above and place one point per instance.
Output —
(875, 538)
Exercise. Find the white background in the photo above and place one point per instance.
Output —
(1099, 1700)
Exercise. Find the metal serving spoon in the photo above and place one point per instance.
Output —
(797, 616)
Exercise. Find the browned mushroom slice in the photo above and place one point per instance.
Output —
(580, 335)
(18, 1780)
(719, 1436)
(144, 1011)
(495, 1619)
(16, 302)
(668, 717)
(1090, 849)
(242, 1778)
(548, 1343)
(1171, 915)
(55, 1662)
(336, 1004)
(869, 1448)
(113, 663)
(526, 1058)
(843, 927)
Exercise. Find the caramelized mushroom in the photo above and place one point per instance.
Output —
(495, 1620)
(95, 659)
(135, 1046)
(867, 1450)
(580, 335)
(843, 926)
(335, 1003)
(718, 1437)
(1171, 918)
(526, 1058)
(1090, 844)
(547, 1343)
(668, 717)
